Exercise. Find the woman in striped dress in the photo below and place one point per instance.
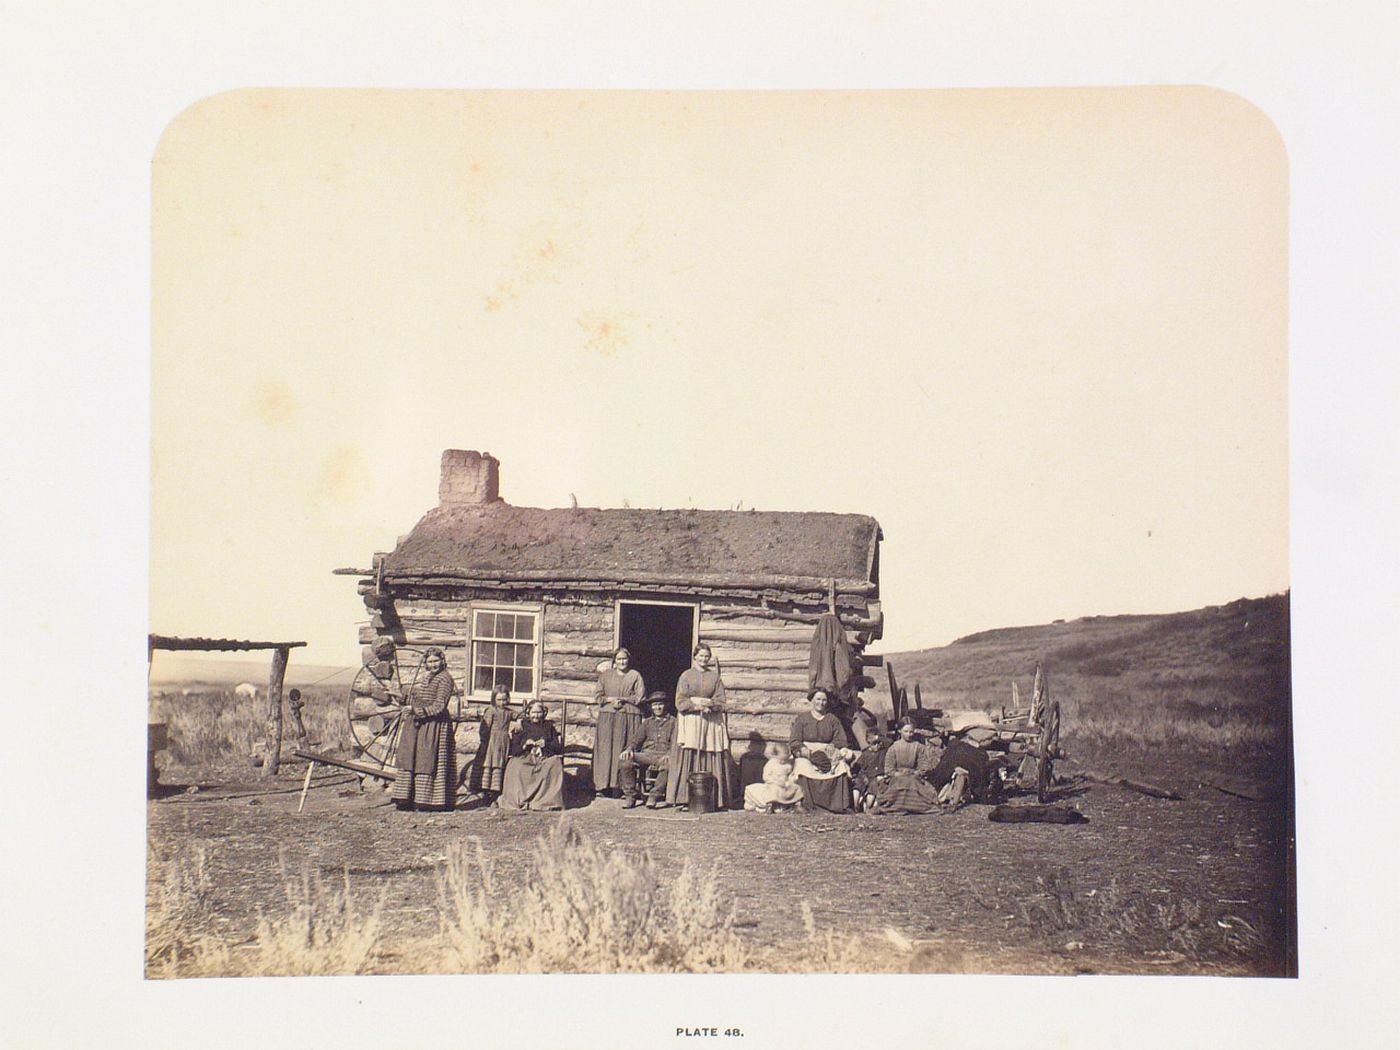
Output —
(426, 760)
(702, 734)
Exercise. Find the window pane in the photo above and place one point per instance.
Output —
(486, 652)
(486, 624)
(525, 680)
(483, 679)
(525, 628)
(502, 677)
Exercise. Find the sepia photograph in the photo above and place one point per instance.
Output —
(766, 525)
(692, 532)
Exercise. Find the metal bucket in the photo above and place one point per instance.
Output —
(703, 791)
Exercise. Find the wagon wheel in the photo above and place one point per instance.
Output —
(375, 719)
(1048, 750)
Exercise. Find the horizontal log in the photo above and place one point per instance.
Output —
(569, 647)
(745, 581)
(855, 615)
(416, 638)
(445, 612)
(768, 683)
(579, 615)
(800, 634)
(778, 659)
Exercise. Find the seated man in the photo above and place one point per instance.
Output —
(647, 747)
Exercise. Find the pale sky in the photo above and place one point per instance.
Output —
(1039, 334)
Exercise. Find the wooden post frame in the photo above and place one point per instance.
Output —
(275, 678)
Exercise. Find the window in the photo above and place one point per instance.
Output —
(504, 648)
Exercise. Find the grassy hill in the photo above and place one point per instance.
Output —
(1213, 677)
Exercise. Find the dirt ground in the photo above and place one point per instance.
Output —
(1201, 885)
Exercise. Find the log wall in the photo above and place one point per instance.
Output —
(761, 646)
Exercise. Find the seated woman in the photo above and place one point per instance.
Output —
(904, 787)
(779, 788)
(535, 770)
(822, 753)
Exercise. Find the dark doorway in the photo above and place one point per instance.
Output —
(659, 637)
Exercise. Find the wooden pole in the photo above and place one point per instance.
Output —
(274, 709)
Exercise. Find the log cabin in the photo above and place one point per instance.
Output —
(537, 598)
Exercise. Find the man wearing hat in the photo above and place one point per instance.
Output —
(647, 747)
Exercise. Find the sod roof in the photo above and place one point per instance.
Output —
(648, 545)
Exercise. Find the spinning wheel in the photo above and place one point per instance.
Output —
(374, 707)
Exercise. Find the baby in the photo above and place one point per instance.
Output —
(779, 788)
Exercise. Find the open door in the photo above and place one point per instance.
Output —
(660, 637)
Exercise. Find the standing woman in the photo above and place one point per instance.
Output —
(619, 695)
(702, 733)
(426, 760)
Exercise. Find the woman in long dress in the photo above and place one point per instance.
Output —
(426, 758)
(534, 777)
(619, 694)
(702, 733)
(822, 755)
(494, 747)
(905, 787)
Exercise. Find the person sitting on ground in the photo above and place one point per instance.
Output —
(822, 755)
(868, 767)
(779, 788)
(649, 747)
(534, 777)
(904, 787)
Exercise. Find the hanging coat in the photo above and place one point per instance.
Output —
(829, 664)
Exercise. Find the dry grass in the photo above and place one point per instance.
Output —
(321, 930)
(1064, 913)
(212, 726)
(583, 909)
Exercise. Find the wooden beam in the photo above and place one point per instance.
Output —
(166, 643)
(274, 709)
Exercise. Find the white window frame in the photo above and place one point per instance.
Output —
(533, 608)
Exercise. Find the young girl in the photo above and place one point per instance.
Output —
(779, 787)
(495, 742)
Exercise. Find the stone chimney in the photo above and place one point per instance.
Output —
(469, 478)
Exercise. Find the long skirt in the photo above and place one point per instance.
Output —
(534, 784)
(435, 790)
(906, 793)
(832, 794)
(686, 761)
(610, 739)
(489, 769)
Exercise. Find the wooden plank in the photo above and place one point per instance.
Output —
(166, 643)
